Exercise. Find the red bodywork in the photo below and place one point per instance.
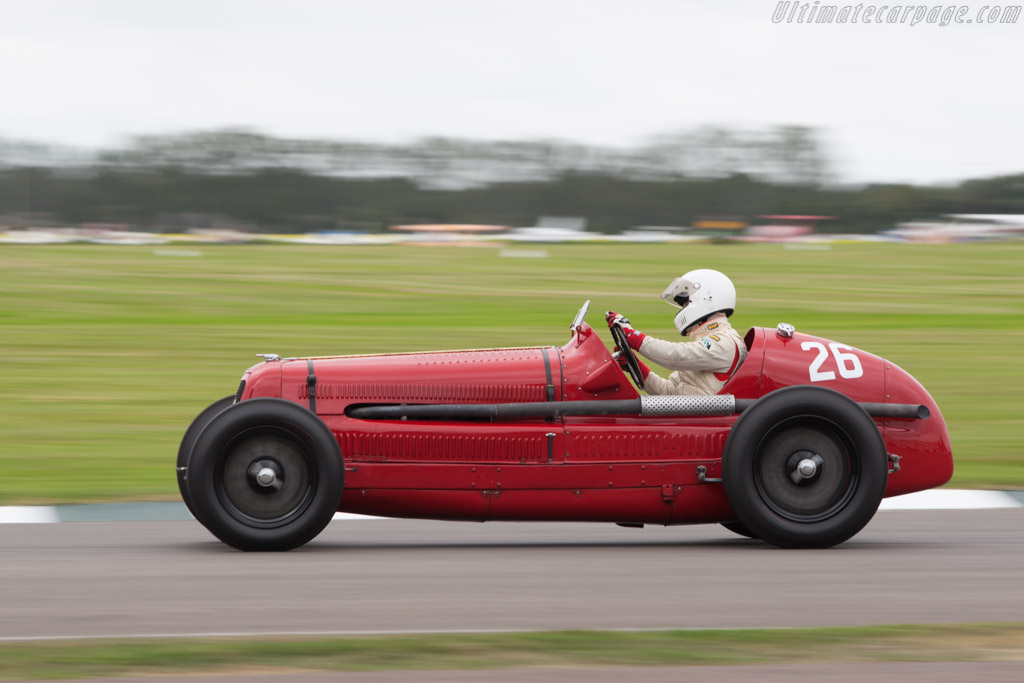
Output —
(592, 468)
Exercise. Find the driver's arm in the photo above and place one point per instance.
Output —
(715, 355)
(652, 383)
(659, 386)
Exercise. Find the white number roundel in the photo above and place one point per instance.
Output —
(847, 363)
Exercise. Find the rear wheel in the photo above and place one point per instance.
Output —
(804, 467)
(265, 474)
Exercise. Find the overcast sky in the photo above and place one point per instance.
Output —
(896, 102)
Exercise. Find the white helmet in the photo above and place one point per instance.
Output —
(700, 293)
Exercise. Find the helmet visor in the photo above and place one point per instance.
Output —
(679, 291)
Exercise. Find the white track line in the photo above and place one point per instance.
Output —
(352, 517)
(35, 514)
(951, 499)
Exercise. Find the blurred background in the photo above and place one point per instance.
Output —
(186, 184)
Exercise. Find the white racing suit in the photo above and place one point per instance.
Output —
(701, 366)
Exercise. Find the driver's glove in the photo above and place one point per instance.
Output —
(621, 360)
(633, 337)
(613, 318)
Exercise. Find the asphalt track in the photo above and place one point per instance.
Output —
(856, 672)
(174, 578)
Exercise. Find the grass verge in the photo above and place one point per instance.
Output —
(919, 643)
(107, 353)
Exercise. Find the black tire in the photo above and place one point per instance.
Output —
(189, 440)
(265, 474)
(738, 528)
(839, 491)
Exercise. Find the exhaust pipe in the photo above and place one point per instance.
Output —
(645, 406)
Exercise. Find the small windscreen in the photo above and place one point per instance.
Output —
(678, 293)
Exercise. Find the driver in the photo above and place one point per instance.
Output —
(702, 366)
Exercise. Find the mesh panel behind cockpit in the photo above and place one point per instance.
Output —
(657, 406)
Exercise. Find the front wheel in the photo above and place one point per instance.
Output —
(265, 474)
(804, 467)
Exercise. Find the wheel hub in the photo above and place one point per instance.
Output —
(265, 478)
(266, 474)
(804, 467)
(804, 472)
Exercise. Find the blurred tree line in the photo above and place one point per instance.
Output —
(262, 183)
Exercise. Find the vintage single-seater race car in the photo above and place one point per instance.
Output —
(798, 448)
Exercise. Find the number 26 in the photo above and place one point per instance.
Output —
(847, 363)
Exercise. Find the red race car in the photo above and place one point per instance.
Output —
(798, 448)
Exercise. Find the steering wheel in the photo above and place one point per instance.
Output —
(632, 364)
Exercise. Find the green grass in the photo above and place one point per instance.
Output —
(145, 657)
(107, 353)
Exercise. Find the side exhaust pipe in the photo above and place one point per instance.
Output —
(645, 406)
